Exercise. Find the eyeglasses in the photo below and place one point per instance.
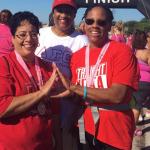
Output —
(23, 35)
(98, 22)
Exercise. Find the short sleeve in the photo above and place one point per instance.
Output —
(126, 69)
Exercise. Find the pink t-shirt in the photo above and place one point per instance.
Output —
(6, 45)
(118, 38)
(144, 71)
(129, 41)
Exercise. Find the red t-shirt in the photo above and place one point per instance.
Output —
(27, 130)
(119, 65)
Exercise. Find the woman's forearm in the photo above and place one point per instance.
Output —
(114, 94)
(20, 104)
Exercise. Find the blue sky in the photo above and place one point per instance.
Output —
(42, 8)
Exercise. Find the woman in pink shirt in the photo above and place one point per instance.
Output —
(6, 45)
(117, 33)
(143, 55)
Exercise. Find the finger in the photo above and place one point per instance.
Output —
(63, 79)
(59, 72)
(46, 88)
(54, 65)
(54, 73)
(61, 75)
(61, 95)
(52, 79)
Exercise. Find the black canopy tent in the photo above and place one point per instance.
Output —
(142, 5)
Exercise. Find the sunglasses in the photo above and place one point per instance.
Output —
(98, 22)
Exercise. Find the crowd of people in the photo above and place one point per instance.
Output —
(63, 88)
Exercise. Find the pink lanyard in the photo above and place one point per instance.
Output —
(37, 69)
(89, 78)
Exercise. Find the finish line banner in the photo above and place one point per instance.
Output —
(108, 3)
(142, 5)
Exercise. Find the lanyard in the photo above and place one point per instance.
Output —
(89, 79)
(26, 69)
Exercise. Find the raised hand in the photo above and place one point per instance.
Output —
(63, 89)
(46, 89)
(66, 82)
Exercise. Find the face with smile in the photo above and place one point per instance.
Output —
(63, 16)
(25, 39)
(97, 26)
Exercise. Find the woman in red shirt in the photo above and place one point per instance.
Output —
(104, 83)
(26, 111)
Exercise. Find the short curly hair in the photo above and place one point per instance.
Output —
(18, 17)
(7, 11)
(9, 15)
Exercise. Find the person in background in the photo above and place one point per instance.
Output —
(56, 44)
(6, 45)
(27, 113)
(139, 40)
(148, 40)
(104, 83)
(143, 55)
(129, 39)
(81, 27)
(117, 32)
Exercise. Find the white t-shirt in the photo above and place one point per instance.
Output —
(59, 49)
